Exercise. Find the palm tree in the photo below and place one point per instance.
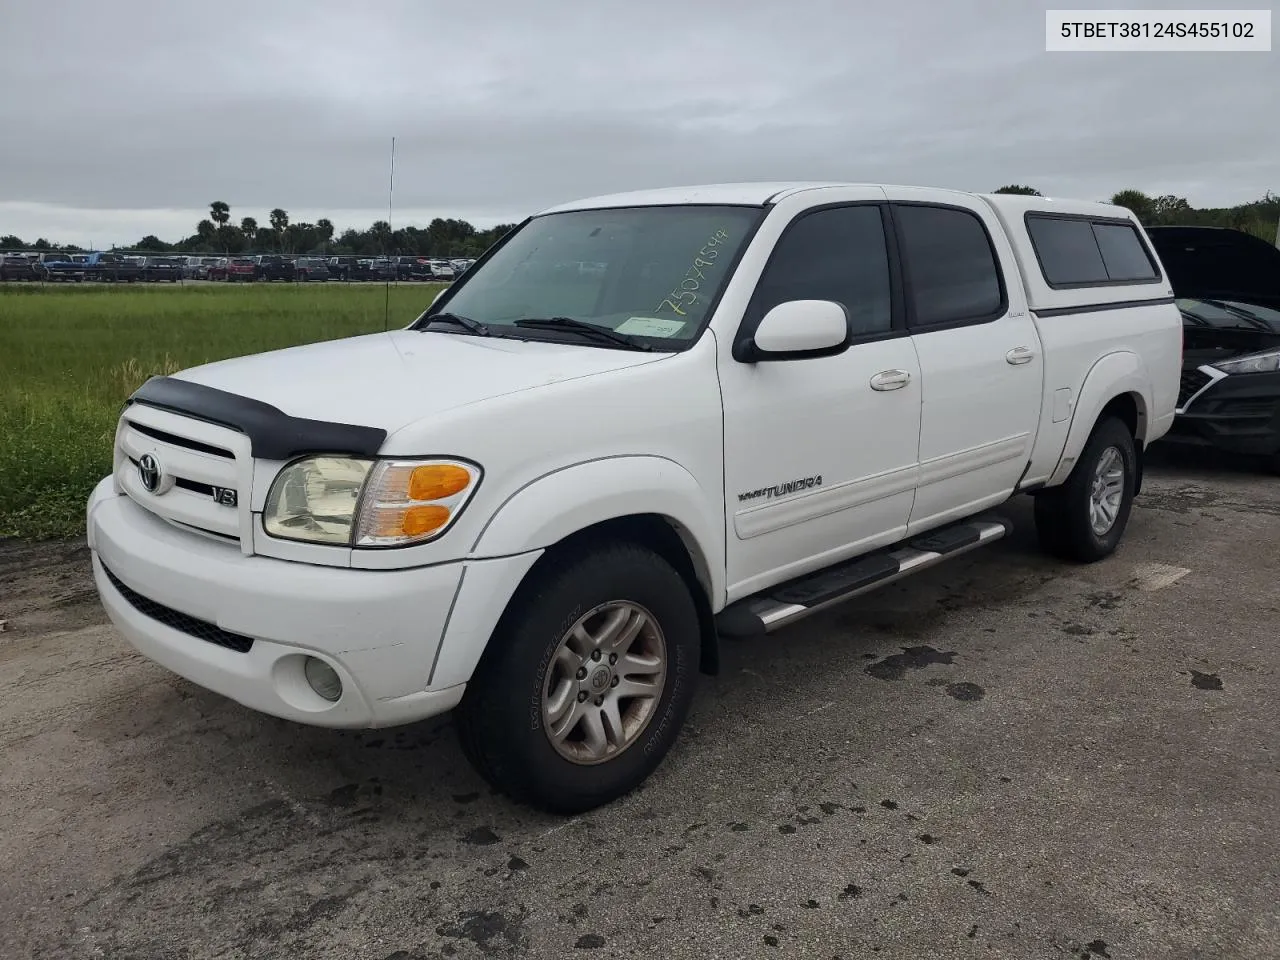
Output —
(279, 223)
(325, 228)
(219, 212)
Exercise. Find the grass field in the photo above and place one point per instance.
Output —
(69, 356)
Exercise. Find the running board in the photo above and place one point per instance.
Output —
(788, 602)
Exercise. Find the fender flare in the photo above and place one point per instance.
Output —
(1113, 375)
(565, 501)
(557, 505)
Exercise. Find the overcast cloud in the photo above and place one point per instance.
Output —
(125, 118)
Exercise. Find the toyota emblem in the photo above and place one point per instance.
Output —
(149, 472)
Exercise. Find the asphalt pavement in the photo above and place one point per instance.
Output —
(1003, 757)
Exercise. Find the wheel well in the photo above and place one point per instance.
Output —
(671, 541)
(1129, 409)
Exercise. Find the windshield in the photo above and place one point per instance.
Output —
(644, 271)
(1227, 313)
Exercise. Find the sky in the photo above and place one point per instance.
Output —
(128, 118)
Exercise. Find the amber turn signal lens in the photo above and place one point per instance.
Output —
(435, 481)
(419, 520)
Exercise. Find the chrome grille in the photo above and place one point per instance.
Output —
(194, 457)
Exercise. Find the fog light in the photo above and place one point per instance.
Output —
(323, 679)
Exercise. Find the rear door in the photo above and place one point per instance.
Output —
(980, 359)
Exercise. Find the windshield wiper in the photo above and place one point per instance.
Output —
(1248, 316)
(474, 326)
(580, 326)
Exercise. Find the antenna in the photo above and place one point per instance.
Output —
(391, 192)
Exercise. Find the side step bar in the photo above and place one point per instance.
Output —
(788, 602)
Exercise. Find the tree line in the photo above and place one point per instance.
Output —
(458, 238)
(217, 233)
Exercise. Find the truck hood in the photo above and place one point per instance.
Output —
(1228, 287)
(390, 380)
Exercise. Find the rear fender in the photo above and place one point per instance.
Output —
(1115, 374)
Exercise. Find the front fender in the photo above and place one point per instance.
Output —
(557, 505)
(561, 503)
(1111, 376)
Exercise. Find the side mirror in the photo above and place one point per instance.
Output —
(799, 329)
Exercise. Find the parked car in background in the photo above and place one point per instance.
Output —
(382, 268)
(197, 268)
(113, 268)
(161, 270)
(274, 267)
(441, 270)
(1227, 285)
(241, 269)
(412, 268)
(16, 266)
(348, 268)
(58, 268)
(460, 266)
(310, 268)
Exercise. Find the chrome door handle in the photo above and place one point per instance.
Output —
(1020, 355)
(890, 380)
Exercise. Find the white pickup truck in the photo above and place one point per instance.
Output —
(640, 423)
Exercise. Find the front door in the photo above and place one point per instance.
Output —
(821, 453)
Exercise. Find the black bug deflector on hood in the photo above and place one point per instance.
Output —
(273, 433)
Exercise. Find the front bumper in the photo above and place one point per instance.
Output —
(1239, 413)
(189, 601)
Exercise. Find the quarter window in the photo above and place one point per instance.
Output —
(952, 274)
(1080, 252)
(836, 254)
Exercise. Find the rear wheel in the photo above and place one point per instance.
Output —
(586, 681)
(1085, 518)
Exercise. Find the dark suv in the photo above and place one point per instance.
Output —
(157, 269)
(274, 267)
(17, 267)
(348, 268)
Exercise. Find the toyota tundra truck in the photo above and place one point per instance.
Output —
(545, 502)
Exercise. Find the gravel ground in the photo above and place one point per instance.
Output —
(1003, 757)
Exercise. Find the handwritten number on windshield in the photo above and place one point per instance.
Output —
(686, 293)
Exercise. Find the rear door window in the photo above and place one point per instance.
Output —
(952, 273)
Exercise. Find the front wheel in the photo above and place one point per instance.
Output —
(586, 681)
(1085, 518)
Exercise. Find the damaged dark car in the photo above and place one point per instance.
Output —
(1227, 285)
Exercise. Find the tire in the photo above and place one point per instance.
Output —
(1065, 514)
(503, 721)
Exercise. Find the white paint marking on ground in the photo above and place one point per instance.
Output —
(559, 827)
(1156, 576)
(825, 706)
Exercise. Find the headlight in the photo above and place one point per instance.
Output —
(367, 503)
(316, 499)
(1256, 363)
